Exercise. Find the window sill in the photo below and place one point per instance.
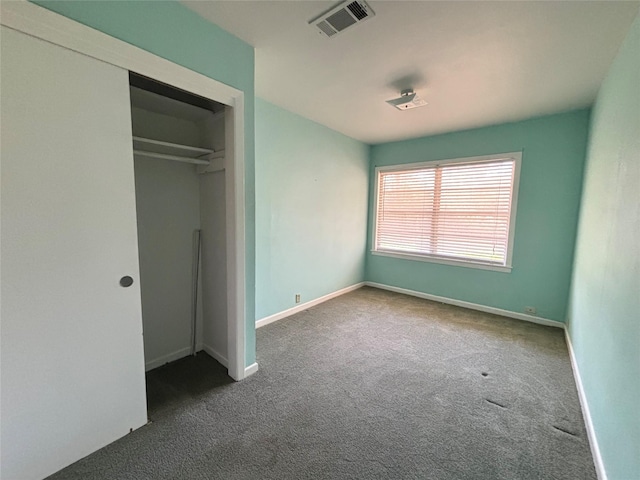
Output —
(444, 261)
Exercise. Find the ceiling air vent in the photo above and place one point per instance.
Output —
(339, 18)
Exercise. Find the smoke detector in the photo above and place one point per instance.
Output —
(407, 99)
(341, 17)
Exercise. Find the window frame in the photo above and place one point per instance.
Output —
(508, 266)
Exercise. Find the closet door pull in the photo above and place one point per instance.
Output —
(126, 281)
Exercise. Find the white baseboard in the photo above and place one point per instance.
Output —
(250, 370)
(222, 360)
(591, 433)
(472, 306)
(303, 306)
(170, 357)
(185, 352)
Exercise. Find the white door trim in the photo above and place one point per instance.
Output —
(41, 23)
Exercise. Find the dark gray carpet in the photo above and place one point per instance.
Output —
(371, 385)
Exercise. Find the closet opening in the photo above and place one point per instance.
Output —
(182, 178)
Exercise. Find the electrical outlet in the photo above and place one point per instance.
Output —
(530, 310)
(297, 298)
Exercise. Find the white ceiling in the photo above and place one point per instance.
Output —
(477, 63)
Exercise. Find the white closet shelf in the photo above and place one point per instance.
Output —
(172, 146)
(177, 158)
(148, 147)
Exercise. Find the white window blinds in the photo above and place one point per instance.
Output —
(456, 211)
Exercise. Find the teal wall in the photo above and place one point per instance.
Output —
(174, 32)
(604, 314)
(311, 212)
(548, 201)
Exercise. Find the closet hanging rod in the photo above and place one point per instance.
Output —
(163, 156)
(179, 146)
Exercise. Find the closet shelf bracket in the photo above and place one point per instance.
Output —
(215, 164)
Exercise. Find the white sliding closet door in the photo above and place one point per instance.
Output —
(72, 354)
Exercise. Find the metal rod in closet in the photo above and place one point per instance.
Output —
(194, 286)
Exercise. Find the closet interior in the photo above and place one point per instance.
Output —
(178, 143)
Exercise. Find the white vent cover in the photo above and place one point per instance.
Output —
(345, 15)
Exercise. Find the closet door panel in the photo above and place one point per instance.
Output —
(71, 345)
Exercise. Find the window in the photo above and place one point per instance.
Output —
(458, 211)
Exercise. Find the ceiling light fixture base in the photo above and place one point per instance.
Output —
(408, 99)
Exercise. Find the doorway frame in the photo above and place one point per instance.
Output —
(54, 28)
